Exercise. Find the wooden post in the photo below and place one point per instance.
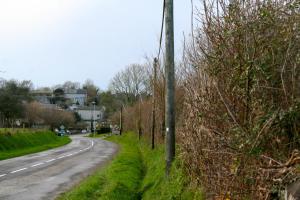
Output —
(140, 120)
(170, 86)
(121, 120)
(153, 103)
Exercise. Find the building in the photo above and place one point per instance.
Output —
(45, 98)
(71, 99)
(42, 96)
(76, 96)
(88, 113)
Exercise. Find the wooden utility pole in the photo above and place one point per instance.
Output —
(121, 120)
(170, 86)
(140, 118)
(153, 103)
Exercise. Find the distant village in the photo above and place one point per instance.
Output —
(70, 105)
(71, 100)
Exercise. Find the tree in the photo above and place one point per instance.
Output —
(77, 117)
(132, 82)
(70, 85)
(44, 89)
(92, 91)
(111, 102)
(33, 113)
(59, 97)
(58, 92)
(12, 96)
(55, 118)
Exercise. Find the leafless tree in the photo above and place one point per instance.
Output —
(132, 82)
(55, 118)
(33, 113)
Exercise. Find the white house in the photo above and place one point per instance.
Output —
(77, 96)
(88, 113)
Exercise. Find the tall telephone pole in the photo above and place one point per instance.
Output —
(153, 103)
(140, 118)
(170, 86)
(121, 120)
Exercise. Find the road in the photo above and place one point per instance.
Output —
(46, 174)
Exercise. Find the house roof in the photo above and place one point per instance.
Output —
(75, 91)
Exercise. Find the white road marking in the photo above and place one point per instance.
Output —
(18, 170)
(50, 160)
(1, 175)
(38, 164)
(36, 156)
(41, 163)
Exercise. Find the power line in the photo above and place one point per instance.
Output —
(162, 29)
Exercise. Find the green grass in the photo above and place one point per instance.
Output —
(136, 173)
(17, 142)
(157, 186)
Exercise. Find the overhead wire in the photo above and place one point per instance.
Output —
(161, 30)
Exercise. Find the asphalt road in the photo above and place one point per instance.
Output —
(46, 174)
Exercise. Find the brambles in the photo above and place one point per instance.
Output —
(242, 120)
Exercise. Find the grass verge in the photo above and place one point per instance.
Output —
(22, 142)
(157, 186)
(136, 173)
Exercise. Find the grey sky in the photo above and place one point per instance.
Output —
(51, 41)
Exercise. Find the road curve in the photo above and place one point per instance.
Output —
(46, 174)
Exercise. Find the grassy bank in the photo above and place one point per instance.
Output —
(157, 186)
(136, 173)
(15, 142)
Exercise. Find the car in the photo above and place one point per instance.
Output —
(83, 131)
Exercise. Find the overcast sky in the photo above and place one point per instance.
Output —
(52, 41)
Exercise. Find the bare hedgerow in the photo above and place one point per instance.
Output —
(242, 108)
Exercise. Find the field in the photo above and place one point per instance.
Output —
(18, 142)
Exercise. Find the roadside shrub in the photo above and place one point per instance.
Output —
(241, 128)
